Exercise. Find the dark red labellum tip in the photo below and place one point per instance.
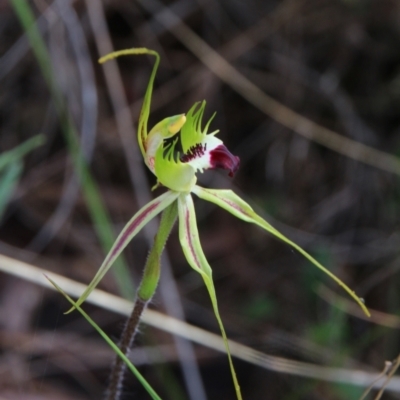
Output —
(221, 157)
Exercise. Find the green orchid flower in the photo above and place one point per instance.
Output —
(175, 150)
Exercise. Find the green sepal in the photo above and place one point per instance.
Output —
(145, 111)
(190, 242)
(231, 202)
(132, 228)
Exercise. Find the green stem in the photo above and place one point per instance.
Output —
(146, 291)
(151, 274)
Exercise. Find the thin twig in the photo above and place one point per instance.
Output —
(176, 327)
(393, 366)
(88, 121)
(379, 377)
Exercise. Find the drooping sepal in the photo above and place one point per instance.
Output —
(131, 229)
(231, 202)
(190, 242)
(189, 236)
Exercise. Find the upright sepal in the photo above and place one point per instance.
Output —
(240, 209)
(145, 111)
(190, 242)
(141, 218)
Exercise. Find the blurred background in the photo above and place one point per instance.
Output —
(307, 94)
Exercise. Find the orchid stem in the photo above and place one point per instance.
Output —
(114, 389)
(145, 293)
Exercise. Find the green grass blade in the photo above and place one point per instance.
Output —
(20, 151)
(8, 182)
(115, 348)
(11, 166)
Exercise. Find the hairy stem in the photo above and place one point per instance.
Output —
(114, 389)
(145, 293)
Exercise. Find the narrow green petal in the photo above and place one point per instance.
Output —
(190, 242)
(240, 209)
(192, 132)
(141, 218)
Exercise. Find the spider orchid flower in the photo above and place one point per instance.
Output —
(176, 149)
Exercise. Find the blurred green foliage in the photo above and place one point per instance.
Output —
(11, 167)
